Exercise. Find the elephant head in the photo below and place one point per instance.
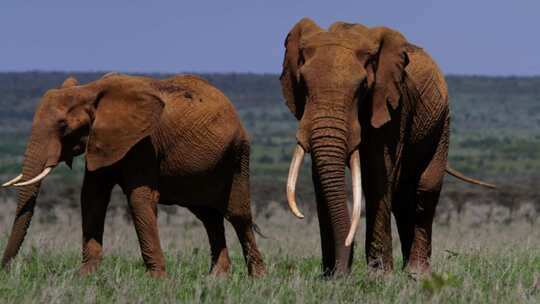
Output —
(104, 118)
(335, 82)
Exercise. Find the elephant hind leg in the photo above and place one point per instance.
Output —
(252, 255)
(238, 211)
(213, 223)
(420, 251)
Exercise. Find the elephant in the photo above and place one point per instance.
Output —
(172, 141)
(367, 99)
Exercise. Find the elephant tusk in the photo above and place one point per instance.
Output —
(294, 169)
(36, 179)
(358, 195)
(12, 181)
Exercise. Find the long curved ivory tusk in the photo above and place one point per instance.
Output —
(36, 179)
(12, 181)
(358, 195)
(294, 169)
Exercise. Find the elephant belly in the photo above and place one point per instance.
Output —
(195, 170)
(203, 190)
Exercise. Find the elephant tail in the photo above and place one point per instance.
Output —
(257, 230)
(467, 179)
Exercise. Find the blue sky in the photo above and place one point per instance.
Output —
(464, 36)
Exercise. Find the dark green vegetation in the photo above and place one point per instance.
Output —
(495, 128)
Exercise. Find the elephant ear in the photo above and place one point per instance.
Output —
(122, 119)
(292, 89)
(392, 59)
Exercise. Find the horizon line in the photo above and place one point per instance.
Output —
(233, 72)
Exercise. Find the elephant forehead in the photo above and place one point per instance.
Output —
(350, 41)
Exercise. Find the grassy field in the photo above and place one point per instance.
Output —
(472, 263)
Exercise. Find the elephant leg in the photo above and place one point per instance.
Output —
(420, 251)
(95, 197)
(139, 177)
(403, 207)
(143, 204)
(213, 223)
(252, 256)
(427, 197)
(378, 166)
(239, 213)
(379, 236)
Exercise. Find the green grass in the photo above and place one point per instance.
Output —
(510, 276)
(473, 262)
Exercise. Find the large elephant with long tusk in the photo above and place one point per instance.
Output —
(368, 99)
(173, 141)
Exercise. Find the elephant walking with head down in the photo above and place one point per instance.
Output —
(368, 99)
(174, 141)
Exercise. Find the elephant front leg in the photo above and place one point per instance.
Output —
(95, 196)
(143, 203)
(379, 236)
(139, 175)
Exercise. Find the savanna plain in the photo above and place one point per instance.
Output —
(486, 245)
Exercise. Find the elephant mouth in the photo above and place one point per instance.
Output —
(356, 177)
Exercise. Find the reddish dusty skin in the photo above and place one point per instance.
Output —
(353, 87)
(174, 141)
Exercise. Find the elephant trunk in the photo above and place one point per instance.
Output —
(33, 165)
(329, 154)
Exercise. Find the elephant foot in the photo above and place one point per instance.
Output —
(257, 271)
(220, 270)
(335, 274)
(88, 268)
(221, 265)
(380, 267)
(158, 274)
(378, 274)
(418, 271)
